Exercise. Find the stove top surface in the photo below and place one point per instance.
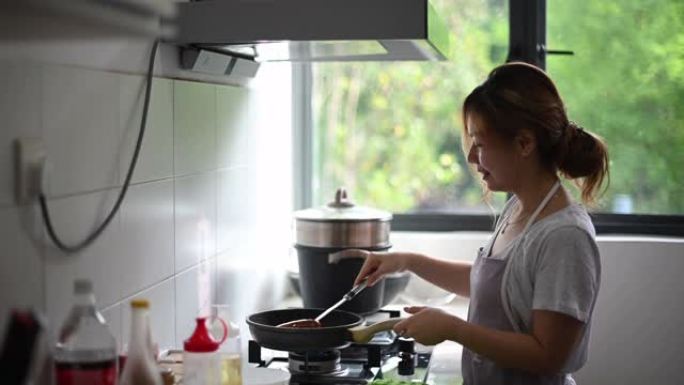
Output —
(358, 364)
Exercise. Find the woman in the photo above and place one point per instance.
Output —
(533, 286)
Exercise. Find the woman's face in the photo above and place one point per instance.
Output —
(494, 158)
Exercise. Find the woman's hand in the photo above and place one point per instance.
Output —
(377, 264)
(428, 325)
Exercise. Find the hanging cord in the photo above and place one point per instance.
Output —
(95, 234)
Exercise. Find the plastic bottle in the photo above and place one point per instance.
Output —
(85, 352)
(200, 358)
(230, 357)
(140, 367)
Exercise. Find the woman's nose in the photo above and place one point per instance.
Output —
(472, 157)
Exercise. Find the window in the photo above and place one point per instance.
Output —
(390, 132)
(626, 82)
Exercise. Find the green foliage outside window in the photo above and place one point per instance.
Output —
(626, 82)
(390, 132)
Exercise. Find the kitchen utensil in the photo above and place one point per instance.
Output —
(342, 328)
(325, 230)
(316, 322)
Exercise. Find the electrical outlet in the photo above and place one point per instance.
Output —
(29, 167)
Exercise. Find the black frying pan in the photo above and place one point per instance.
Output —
(340, 329)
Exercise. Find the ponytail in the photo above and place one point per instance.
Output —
(585, 160)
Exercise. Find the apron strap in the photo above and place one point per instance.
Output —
(504, 298)
(541, 206)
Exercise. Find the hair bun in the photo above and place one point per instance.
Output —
(575, 129)
(581, 157)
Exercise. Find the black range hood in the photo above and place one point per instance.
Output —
(315, 30)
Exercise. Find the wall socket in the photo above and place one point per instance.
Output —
(29, 167)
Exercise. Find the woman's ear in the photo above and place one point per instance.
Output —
(525, 142)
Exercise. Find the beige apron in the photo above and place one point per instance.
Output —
(487, 309)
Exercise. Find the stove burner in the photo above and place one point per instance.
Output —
(313, 362)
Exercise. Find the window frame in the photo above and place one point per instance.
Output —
(527, 42)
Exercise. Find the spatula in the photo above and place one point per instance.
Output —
(316, 322)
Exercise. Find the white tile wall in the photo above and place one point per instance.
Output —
(20, 107)
(233, 214)
(146, 236)
(194, 110)
(190, 192)
(195, 218)
(234, 122)
(156, 155)
(80, 119)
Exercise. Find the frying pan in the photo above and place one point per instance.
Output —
(340, 329)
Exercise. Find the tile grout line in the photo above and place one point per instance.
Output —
(173, 172)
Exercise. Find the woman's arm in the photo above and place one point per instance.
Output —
(453, 276)
(544, 351)
(554, 336)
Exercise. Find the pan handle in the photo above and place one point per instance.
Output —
(363, 334)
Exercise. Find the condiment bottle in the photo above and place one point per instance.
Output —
(140, 367)
(407, 356)
(230, 355)
(85, 353)
(200, 357)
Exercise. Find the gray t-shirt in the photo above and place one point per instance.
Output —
(554, 266)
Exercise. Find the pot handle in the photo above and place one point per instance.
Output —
(336, 257)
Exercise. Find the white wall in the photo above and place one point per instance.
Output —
(637, 332)
(213, 179)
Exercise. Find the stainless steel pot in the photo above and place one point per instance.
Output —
(342, 224)
(338, 226)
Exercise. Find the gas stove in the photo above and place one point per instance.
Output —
(385, 356)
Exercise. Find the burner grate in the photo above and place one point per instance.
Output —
(327, 362)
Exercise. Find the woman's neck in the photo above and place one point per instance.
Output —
(532, 191)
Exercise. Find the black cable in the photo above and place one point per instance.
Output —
(95, 234)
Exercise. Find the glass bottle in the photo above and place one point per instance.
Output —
(85, 352)
(140, 367)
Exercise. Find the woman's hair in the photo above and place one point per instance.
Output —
(519, 96)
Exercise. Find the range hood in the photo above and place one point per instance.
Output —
(314, 30)
(85, 19)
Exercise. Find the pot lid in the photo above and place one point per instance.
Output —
(342, 209)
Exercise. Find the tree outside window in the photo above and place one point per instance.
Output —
(390, 132)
